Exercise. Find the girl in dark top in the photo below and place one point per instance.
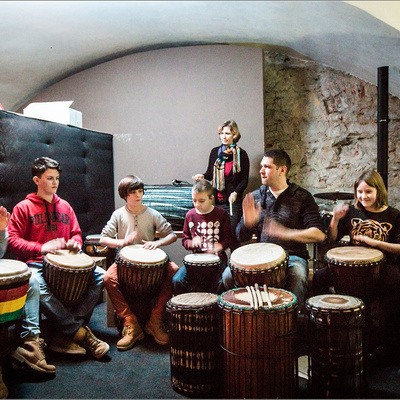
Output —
(228, 169)
(373, 223)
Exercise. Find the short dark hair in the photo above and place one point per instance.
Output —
(42, 164)
(129, 184)
(280, 157)
(203, 185)
(373, 179)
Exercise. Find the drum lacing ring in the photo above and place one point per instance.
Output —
(120, 261)
(189, 308)
(354, 263)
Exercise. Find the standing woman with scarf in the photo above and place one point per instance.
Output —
(228, 169)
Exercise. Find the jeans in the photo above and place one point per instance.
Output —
(182, 282)
(68, 320)
(296, 278)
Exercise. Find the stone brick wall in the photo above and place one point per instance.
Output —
(326, 120)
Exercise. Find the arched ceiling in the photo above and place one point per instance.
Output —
(44, 42)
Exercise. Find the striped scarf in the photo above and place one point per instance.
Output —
(219, 166)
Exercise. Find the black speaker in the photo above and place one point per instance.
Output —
(383, 122)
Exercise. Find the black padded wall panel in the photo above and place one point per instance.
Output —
(86, 157)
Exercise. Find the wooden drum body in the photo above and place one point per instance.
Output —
(140, 271)
(202, 269)
(355, 270)
(67, 274)
(259, 345)
(335, 335)
(196, 369)
(262, 263)
(14, 284)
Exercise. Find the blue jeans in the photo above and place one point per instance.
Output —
(68, 320)
(182, 282)
(296, 278)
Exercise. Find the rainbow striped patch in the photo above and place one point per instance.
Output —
(12, 301)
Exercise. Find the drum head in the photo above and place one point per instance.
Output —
(138, 255)
(240, 298)
(257, 256)
(194, 299)
(9, 268)
(334, 302)
(201, 258)
(354, 254)
(69, 259)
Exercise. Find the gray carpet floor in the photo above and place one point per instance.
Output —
(140, 373)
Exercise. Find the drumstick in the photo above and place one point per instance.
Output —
(259, 297)
(255, 297)
(268, 299)
(230, 207)
(251, 297)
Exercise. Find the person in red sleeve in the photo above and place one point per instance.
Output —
(44, 223)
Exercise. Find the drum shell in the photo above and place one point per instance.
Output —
(336, 349)
(259, 351)
(140, 280)
(273, 276)
(67, 284)
(358, 280)
(13, 292)
(195, 354)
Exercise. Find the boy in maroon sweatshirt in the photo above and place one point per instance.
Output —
(44, 223)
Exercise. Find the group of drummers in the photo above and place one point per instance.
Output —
(43, 229)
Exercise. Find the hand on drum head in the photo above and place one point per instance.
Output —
(4, 218)
(73, 245)
(53, 245)
(251, 212)
(150, 245)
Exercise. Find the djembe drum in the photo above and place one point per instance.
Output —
(259, 344)
(336, 345)
(14, 284)
(262, 263)
(195, 355)
(355, 270)
(140, 271)
(68, 274)
(204, 268)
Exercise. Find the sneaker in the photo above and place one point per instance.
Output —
(155, 326)
(3, 387)
(63, 344)
(130, 335)
(97, 347)
(32, 354)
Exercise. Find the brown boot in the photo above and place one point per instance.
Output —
(155, 326)
(130, 335)
(3, 387)
(97, 347)
(32, 354)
